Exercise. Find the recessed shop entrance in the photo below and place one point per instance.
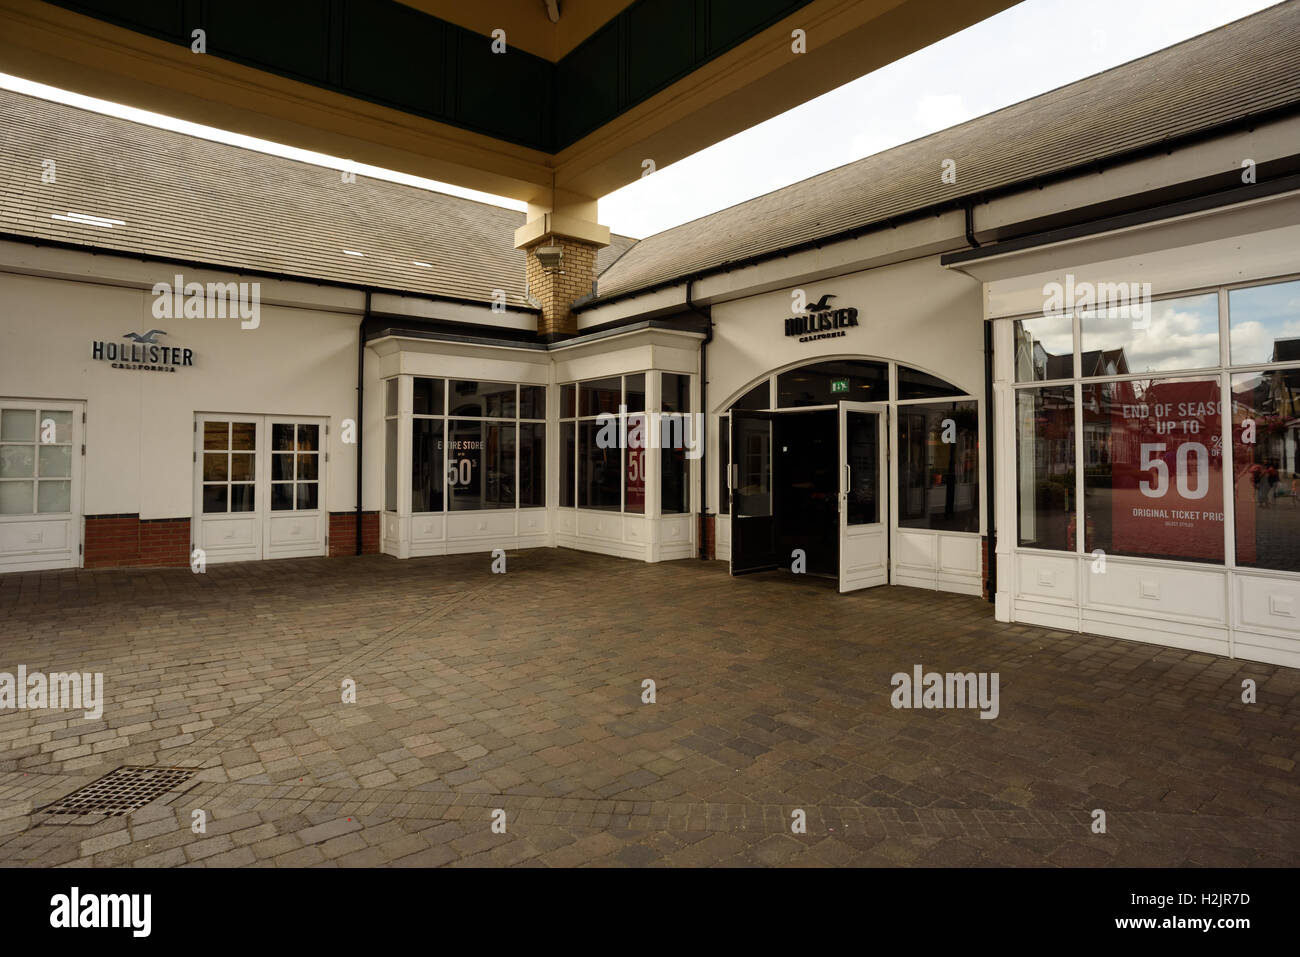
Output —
(808, 493)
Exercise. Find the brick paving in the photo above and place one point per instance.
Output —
(523, 692)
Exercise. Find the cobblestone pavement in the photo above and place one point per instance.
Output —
(523, 692)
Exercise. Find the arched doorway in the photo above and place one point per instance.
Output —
(860, 469)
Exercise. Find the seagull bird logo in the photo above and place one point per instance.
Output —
(147, 338)
(822, 304)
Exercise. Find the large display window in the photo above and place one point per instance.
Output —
(474, 445)
(612, 476)
(1187, 411)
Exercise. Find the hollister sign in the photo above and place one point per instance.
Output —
(142, 353)
(821, 321)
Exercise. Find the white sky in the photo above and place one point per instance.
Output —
(1034, 47)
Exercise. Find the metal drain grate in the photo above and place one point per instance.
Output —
(120, 792)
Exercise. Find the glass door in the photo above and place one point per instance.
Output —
(864, 512)
(753, 525)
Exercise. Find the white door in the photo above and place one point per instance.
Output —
(227, 525)
(41, 445)
(259, 487)
(864, 511)
(296, 521)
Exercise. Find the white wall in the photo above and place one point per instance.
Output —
(139, 424)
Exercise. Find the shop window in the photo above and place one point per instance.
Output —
(614, 477)
(826, 383)
(493, 400)
(600, 396)
(634, 484)
(1045, 470)
(427, 396)
(676, 393)
(599, 470)
(1155, 486)
(427, 465)
(532, 402)
(481, 465)
(634, 392)
(568, 463)
(1166, 335)
(938, 466)
(390, 465)
(35, 461)
(295, 466)
(1266, 474)
(915, 384)
(674, 481)
(1044, 348)
(532, 464)
(1264, 323)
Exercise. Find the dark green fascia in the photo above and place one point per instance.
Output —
(387, 53)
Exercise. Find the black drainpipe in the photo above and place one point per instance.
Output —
(361, 392)
(704, 412)
(990, 494)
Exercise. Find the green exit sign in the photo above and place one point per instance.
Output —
(839, 385)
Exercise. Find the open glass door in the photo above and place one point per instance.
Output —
(753, 525)
(864, 512)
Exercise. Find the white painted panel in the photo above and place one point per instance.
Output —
(916, 550)
(1047, 576)
(230, 539)
(675, 530)
(1268, 603)
(532, 522)
(566, 521)
(296, 530)
(427, 528)
(1158, 591)
(958, 554)
(480, 525)
(636, 530)
(600, 525)
(33, 537)
(1274, 649)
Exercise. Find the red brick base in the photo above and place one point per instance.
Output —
(117, 541)
(343, 533)
(708, 535)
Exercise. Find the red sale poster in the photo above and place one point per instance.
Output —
(1167, 471)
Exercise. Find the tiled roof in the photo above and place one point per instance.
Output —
(1244, 68)
(182, 197)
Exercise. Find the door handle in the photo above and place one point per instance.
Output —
(733, 476)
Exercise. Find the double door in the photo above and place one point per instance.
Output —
(259, 487)
(815, 479)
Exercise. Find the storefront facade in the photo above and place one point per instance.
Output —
(1070, 390)
(1150, 442)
